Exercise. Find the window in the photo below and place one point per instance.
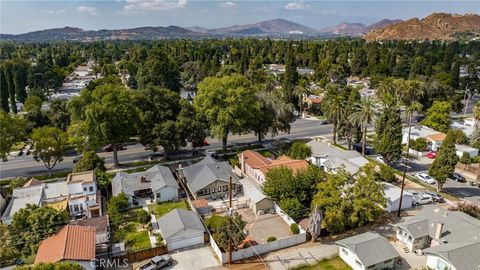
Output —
(85, 189)
(159, 195)
(213, 190)
(358, 263)
(219, 189)
(91, 189)
(207, 191)
(344, 251)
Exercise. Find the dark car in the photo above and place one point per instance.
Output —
(109, 147)
(435, 196)
(458, 177)
(155, 156)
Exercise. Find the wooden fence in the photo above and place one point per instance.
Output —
(142, 254)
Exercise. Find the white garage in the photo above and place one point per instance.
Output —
(181, 228)
(392, 196)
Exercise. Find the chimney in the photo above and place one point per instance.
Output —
(439, 231)
(143, 179)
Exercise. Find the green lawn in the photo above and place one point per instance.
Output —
(216, 221)
(161, 209)
(134, 238)
(332, 264)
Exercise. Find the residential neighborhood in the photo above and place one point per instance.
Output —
(212, 135)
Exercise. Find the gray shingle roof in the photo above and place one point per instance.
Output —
(464, 256)
(157, 177)
(178, 220)
(252, 191)
(207, 171)
(392, 193)
(350, 160)
(370, 248)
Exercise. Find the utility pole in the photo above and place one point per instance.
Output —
(467, 97)
(405, 163)
(230, 220)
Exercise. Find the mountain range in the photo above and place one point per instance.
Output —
(435, 26)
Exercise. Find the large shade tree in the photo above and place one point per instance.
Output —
(49, 145)
(444, 164)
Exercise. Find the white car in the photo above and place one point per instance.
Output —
(380, 159)
(422, 199)
(425, 178)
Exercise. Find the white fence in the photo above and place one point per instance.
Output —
(417, 153)
(252, 251)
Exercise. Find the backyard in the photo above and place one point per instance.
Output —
(163, 208)
(132, 232)
(331, 264)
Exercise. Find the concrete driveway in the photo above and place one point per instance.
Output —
(197, 258)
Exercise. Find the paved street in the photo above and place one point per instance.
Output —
(26, 166)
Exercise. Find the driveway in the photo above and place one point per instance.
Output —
(197, 258)
(463, 190)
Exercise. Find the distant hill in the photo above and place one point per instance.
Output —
(356, 29)
(441, 26)
(276, 26)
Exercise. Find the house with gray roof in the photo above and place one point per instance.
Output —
(445, 236)
(367, 251)
(392, 196)
(331, 158)
(181, 228)
(258, 201)
(209, 179)
(156, 183)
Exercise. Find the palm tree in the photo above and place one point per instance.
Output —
(300, 91)
(363, 116)
(334, 108)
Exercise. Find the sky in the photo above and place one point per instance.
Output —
(21, 16)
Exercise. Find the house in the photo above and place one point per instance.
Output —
(367, 92)
(392, 195)
(256, 166)
(355, 81)
(3, 200)
(78, 194)
(466, 125)
(368, 251)
(330, 158)
(313, 101)
(181, 228)
(258, 201)
(434, 138)
(101, 225)
(157, 183)
(447, 237)
(71, 243)
(460, 149)
(209, 178)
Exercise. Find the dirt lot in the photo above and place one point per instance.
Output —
(263, 226)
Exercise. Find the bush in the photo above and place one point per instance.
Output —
(292, 207)
(420, 144)
(234, 161)
(386, 174)
(294, 228)
(143, 217)
(300, 150)
(476, 159)
(466, 159)
(468, 208)
(271, 239)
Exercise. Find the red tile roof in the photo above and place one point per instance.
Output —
(70, 243)
(257, 161)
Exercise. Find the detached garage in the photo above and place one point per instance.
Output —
(392, 196)
(181, 228)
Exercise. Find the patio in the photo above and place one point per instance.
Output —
(261, 227)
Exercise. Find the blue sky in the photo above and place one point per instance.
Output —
(20, 16)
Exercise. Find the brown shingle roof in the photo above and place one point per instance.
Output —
(437, 137)
(70, 243)
(257, 161)
(83, 177)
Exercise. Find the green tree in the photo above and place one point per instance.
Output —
(90, 161)
(228, 103)
(32, 224)
(110, 117)
(49, 145)
(466, 159)
(235, 231)
(12, 130)
(290, 77)
(333, 108)
(388, 129)
(32, 103)
(52, 266)
(159, 70)
(300, 150)
(4, 92)
(292, 207)
(59, 114)
(8, 252)
(386, 174)
(438, 116)
(420, 144)
(363, 116)
(444, 164)
(116, 204)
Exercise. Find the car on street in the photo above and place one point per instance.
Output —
(422, 200)
(432, 155)
(154, 156)
(109, 147)
(425, 178)
(458, 177)
(435, 196)
(77, 159)
(157, 262)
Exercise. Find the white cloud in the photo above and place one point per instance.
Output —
(89, 10)
(145, 5)
(52, 11)
(297, 5)
(228, 4)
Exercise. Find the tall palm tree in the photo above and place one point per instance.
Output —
(300, 91)
(334, 108)
(363, 116)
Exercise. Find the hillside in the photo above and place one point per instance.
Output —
(436, 26)
(279, 26)
(356, 29)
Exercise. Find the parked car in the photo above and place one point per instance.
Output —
(380, 159)
(432, 155)
(458, 177)
(109, 148)
(157, 262)
(154, 156)
(435, 196)
(77, 159)
(425, 178)
(422, 200)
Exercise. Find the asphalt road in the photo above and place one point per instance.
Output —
(27, 166)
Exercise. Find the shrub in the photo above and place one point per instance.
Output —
(386, 174)
(292, 207)
(468, 208)
(300, 150)
(294, 228)
(476, 159)
(420, 144)
(143, 217)
(271, 239)
(466, 159)
(234, 161)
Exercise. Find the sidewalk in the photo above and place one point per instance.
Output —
(153, 238)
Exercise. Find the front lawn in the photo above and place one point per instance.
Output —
(163, 208)
(331, 264)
